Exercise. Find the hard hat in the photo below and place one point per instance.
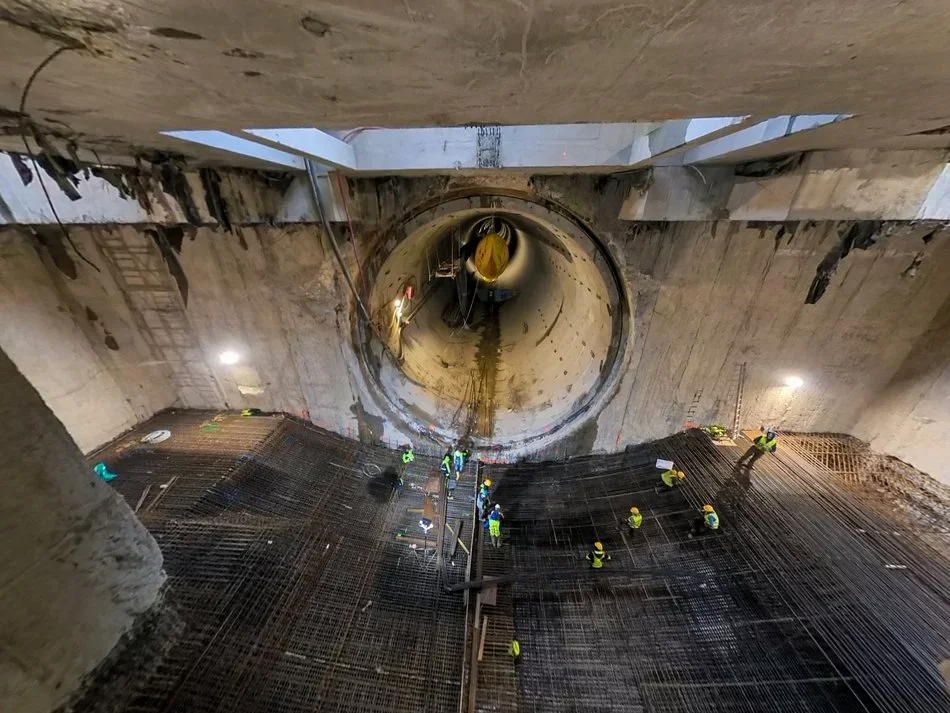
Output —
(680, 474)
(635, 511)
(708, 508)
(491, 256)
(488, 482)
(498, 507)
(598, 546)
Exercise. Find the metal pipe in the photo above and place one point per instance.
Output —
(312, 176)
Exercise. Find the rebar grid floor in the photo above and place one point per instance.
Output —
(806, 600)
(280, 544)
(304, 585)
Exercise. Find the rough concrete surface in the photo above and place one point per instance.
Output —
(547, 346)
(275, 296)
(910, 417)
(76, 567)
(705, 298)
(139, 69)
(70, 331)
(712, 296)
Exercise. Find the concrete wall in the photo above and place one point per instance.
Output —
(706, 297)
(711, 296)
(76, 566)
(910, 417)
(70, 331)
(275, 296)
(162, 317)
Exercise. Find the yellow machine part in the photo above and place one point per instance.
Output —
(491, 256)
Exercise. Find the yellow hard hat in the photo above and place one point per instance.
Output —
(708, 508)
(491, 256)
(635, 511)
(488, 482)
(680, 474)
(598, 546)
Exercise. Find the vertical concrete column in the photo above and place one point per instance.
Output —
(76, 565)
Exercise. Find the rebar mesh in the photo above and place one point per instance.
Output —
(792, 606)
(280, 541)
(304, 584)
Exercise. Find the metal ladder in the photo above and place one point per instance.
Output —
(156, 305)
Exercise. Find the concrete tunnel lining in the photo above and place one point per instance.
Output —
(554, 347)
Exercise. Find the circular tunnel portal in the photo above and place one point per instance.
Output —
(499, 318)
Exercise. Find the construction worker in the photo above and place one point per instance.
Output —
(706, 524)
(760, 446)
(597, 556)
(458, 461)
(494, 526)
(407, 455)
(671, 478)
(446, 466)
(482, 499)
(635, 519)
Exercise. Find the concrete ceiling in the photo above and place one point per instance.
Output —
(172, 64)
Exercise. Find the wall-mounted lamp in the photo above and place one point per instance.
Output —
(794, 381)
(229, 357)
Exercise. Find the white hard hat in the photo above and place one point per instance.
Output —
(498, 507)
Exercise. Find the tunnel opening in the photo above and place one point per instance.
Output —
(498, 318)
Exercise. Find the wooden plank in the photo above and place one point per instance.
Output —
(481, 643)
(455, 527)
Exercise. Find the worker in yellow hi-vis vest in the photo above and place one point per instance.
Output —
(671, 478)
(635, 519)
(760, 446)
(597, 556)
(707, 524)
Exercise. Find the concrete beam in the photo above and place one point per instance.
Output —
(311, 143)
(233, 144)
(674, 137)
(124, 196)
(554, 147)
(23, 202)
(827, 185)
(936, 204)
(558, 148)
(761, 133)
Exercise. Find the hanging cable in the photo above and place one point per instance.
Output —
(346, 211)
(36, 166)
(311, 175)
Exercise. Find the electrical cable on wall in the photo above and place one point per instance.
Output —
(36, 166)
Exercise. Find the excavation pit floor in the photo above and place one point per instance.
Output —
(303, 584)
